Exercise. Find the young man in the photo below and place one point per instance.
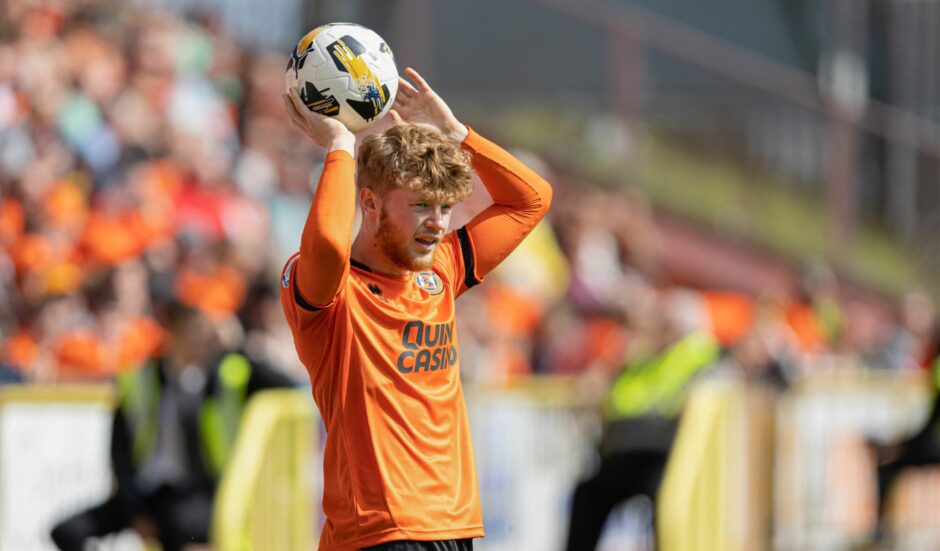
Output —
(373, 319)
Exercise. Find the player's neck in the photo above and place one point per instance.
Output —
(366, 250)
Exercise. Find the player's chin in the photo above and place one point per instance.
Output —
(422, 260)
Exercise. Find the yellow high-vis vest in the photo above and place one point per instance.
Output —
(219, 417)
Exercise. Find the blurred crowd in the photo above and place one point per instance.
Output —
(604, 298)
(145, 160)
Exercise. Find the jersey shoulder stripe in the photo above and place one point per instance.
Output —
(466, 251)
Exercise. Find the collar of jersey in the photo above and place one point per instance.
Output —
(363, 267)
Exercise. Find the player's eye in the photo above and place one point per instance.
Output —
(446, 208)
(420, 205)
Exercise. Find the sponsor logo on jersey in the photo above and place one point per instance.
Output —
(428, 347)
(430, 282)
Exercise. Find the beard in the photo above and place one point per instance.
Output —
(395, 246)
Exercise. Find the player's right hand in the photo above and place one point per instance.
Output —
(325, 131)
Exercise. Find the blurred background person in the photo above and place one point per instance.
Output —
(173, 430)
(912, 347)
(921, 449)
(640, 421)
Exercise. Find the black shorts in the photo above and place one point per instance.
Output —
(410, 545)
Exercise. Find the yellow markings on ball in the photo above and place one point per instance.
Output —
(308, 39)
(358, 69)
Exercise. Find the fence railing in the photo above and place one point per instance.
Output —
(265, 498)
(879, 157)
(749, 470)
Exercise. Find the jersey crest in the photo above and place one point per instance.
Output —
(430, 282)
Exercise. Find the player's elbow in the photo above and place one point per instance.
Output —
(546, 195)
(542, 200)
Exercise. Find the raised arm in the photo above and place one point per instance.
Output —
(323, 264)
(520, 199)
(520, 196)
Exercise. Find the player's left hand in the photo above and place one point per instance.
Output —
(418, 103)
(327, 132)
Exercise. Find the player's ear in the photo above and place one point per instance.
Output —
(368, 200)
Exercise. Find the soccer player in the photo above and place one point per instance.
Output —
(373, 319)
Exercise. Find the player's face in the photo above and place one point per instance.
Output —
(410, 227)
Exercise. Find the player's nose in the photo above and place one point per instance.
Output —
(435, 220)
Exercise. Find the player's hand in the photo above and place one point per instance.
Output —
(325, 131)
(417, 103)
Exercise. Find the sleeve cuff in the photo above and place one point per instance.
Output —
(337, 155)
(473, 140)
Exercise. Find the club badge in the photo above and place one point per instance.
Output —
(430, 282)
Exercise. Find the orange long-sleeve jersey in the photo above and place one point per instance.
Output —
(382, 355)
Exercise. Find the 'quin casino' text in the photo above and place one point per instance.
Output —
(428, 347)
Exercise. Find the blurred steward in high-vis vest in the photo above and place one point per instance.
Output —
(172, 434)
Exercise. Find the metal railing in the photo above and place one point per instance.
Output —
(867, 159)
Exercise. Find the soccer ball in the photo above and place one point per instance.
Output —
(346, 71)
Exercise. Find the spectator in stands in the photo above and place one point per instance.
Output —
(814, 315)
(912, 344)
(156, 144)
(173, 430)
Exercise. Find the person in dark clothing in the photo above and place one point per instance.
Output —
(172, 432)
(641, 410)
(923, 448)
(620, 476)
